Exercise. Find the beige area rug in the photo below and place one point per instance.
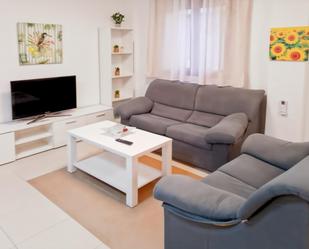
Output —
(101, 209)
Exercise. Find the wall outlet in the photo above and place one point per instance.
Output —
(283, 108)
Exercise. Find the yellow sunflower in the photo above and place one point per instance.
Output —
(272, 39)
(278, 49)
(280, 34)
(296, 54)
(291, 38)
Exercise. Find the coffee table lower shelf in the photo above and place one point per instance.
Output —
(111, 169)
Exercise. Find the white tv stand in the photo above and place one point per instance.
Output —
(18, 139)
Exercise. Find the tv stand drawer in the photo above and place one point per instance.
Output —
(98, 117)
(60, 129)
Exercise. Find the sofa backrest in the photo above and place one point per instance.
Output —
(206, 105)
(280, 153)
(227, 100)
(172, 99)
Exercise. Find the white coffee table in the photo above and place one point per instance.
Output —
(118, 164)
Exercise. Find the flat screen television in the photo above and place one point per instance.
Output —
(40, 96)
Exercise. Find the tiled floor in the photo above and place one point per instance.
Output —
(28, 220)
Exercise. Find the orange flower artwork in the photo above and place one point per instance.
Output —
(289, 44)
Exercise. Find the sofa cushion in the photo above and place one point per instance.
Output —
(189, 133)
(227, 100)
(229, 183)
(152, 123)
(251, 170)
(204, 119)
(173, 93)
(170, 112)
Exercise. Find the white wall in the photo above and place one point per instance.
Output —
(140, 22)
(80, 20)
(306, 109)
(282, 80)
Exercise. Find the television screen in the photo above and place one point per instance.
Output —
(39, 96)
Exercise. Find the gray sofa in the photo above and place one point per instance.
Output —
(260, 200)
(207, 123)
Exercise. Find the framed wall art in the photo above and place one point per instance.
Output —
(39, 43)
(289, 44)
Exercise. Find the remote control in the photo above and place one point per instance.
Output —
(124, 141)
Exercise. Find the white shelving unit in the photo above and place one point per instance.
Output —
(111, 59)
(122, 53)
(122, 28)
(115, 100)
(34, 148)
(33, 140)
(122, 76)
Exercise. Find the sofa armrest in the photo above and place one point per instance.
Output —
(293, 182)
(134, 106)
(199, 219)
(198, 198)
(228, 130)
(275, 151)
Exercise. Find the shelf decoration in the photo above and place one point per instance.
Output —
(118, 18)
(289, 44)
(116, 49)
(39, 43)
(117, 71)
(117, 94)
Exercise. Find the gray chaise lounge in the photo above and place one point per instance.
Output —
(260, 200)
(207, 123)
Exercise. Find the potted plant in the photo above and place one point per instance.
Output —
(117, 94)
(118, 18)
(117, 71)
(116, 49)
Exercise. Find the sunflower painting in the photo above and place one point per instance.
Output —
(289, 44)
(39, 43)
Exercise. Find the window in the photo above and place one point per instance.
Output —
(199, 40)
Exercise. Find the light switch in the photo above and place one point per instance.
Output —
(283, 108)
